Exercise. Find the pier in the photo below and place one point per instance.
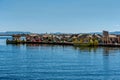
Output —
(63, 43)
(53, 43)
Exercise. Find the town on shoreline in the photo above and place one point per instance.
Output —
(104, 39)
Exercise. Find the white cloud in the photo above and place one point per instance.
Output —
(118, 25)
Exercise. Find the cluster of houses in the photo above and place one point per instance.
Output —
(104, 38)
(62, 37)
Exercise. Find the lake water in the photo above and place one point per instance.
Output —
(48, 62)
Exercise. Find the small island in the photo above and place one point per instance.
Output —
(104, 39)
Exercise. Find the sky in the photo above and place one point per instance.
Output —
(69, 16)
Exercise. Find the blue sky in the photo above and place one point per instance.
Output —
(70, 16)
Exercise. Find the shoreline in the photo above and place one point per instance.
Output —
(65, 43)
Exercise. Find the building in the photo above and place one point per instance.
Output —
(110, 38)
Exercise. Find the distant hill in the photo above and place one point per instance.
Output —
(21, 32)
(116, 32)
(14, 32)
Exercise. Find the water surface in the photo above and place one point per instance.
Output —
(48, 62)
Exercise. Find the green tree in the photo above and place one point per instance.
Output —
(95, 42)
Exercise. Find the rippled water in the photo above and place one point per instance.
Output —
(48, 62)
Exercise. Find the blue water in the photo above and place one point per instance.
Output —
(48, 62)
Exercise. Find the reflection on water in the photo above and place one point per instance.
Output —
(106, 50)
(55, 62)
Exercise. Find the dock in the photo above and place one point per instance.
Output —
(61, 43)
(26, 42)
(109, 45)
